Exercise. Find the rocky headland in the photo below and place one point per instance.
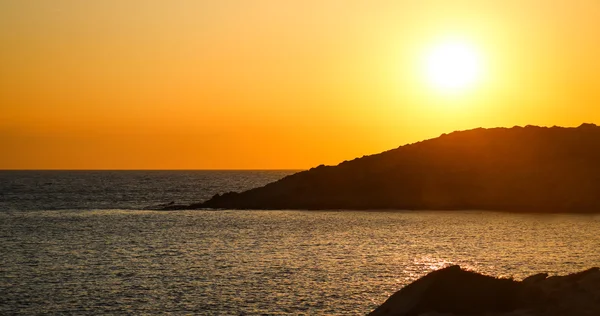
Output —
(454, 291)
(530, 169)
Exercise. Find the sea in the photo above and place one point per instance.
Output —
(87, 243)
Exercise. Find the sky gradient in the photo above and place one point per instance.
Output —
(239, 84)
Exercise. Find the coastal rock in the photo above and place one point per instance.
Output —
(454, 291)
(532, 169)
(533, 279)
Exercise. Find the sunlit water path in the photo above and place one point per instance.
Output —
(264, 262)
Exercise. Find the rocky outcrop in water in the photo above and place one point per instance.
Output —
(453, 291)
(533, 169)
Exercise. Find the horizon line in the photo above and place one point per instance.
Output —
(233, 169)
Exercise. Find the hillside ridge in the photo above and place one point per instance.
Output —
(531, 168)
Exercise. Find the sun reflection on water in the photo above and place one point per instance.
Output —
(265, 262)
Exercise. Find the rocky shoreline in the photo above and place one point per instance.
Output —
(454, 291)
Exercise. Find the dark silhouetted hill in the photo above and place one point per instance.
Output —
(533, 169)
(453, 291)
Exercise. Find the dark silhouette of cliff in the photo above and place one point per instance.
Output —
(453, 291)
(533, 169)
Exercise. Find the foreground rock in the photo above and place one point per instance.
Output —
(453, 291)
(533, 169)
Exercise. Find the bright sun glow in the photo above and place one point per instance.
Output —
(453, 66)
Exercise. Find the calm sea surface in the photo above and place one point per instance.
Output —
(74, 243)
(130, 190)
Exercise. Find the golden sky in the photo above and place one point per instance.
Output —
(270, 84)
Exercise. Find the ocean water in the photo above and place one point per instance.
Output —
(128, 190)
(103, 259)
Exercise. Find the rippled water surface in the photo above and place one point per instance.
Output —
(85, 190)
(264, 262)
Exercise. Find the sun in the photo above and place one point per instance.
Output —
(453, 66)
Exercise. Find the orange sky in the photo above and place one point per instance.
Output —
(269, 84)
